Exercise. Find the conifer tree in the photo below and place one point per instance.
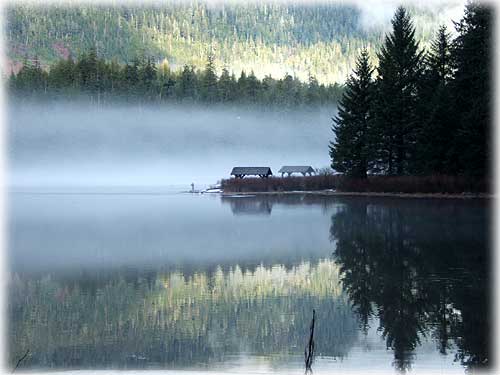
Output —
(252, 88)
(268, 90)
(148, 75)
(312, 95)
(285, 89)
(399, 72)
(186, 85)
(226, 86)
(61, 75)
(472, 90)
(115, 74)
(438, 61)
(31, 79)
(87, 71)
(209, 81)
(350, 152)
(242, 86)
(166, 82)
(435, 109)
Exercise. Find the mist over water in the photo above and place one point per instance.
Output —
(202, 281)
(79, 145)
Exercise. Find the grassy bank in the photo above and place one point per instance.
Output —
(372, 184)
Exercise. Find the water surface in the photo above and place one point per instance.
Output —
(160, 280)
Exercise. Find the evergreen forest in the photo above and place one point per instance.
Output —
(420, 112)
(143, 81)
(270, 38)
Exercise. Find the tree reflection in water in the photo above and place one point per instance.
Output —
(417, 269)
(422, 270)
(170, 319)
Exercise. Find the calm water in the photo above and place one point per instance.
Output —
(180, 281)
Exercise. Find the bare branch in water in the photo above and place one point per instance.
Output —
(309, 351)
(21, 359)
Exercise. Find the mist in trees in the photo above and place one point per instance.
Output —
(425, 112)
(144, 81)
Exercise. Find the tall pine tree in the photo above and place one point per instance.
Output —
(472, 90)
(399, 72)
(350, 152)
(209, 91)
(436, 113)
(227, 86)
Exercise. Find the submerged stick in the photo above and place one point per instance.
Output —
(309, 351)
(21, 359)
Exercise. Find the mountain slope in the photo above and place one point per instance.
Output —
(270, 38)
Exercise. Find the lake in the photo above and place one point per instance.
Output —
(153, 279)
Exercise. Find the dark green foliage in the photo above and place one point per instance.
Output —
(209, 92)
(395, 110)
(60, 73)
(143, 81)
(252, 88)
(351, 149)
(148, 80)
(438, 61)
(430, 114)
(313, 93)
(472, 89)
(186, 84)
(456, 98)
(31, 79)
(438, 124)
(227, 87)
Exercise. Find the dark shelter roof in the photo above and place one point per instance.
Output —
(251, 171)
(296, 169)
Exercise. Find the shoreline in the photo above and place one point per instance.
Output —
(368, 194)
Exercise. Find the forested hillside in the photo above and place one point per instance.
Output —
(321, 40)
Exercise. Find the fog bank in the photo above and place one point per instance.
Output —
(63, 144)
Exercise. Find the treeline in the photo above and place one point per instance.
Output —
(144, 81)
(425, 112)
